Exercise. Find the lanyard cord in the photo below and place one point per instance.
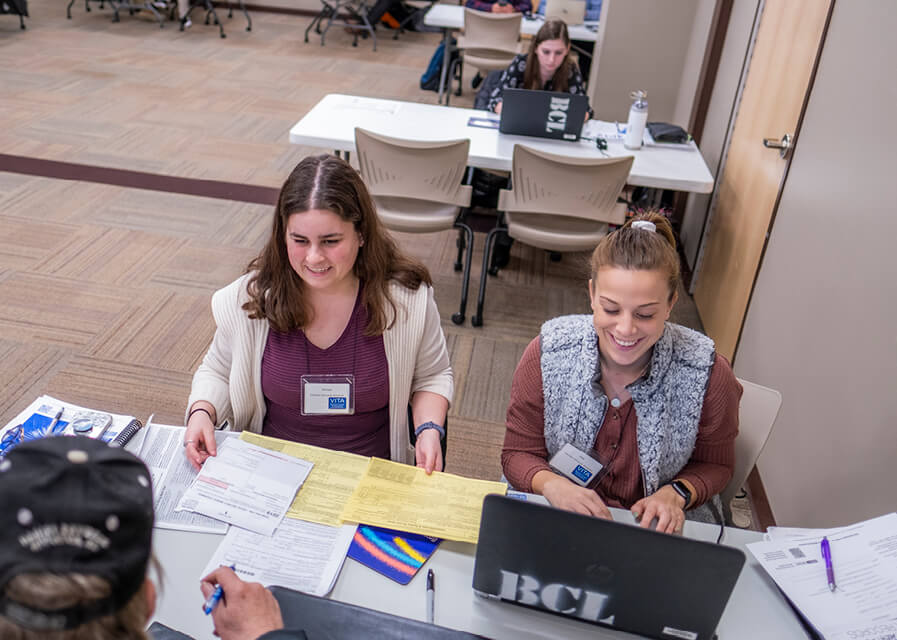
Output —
(353, 320)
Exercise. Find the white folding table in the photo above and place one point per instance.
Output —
(331, 125)
(755, 610)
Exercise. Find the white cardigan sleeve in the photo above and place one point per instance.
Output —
(211, 382)
(432, 367)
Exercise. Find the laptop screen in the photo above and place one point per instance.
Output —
(544, 114)
(602, 572)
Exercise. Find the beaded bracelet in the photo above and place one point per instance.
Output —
(430, 425)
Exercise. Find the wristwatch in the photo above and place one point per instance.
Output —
(682, 489)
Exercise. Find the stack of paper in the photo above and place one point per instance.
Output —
(247, 486)
(402, 497)
(863, 604)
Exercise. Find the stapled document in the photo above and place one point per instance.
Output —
(247, 486)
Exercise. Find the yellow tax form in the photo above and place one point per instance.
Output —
(398, 496)
(332, 480)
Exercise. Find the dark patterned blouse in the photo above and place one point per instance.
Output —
(512, 78)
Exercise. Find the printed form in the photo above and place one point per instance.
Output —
(172, 474)
(398, 496)
(300, 555)
(864, 558)
(247, 486)
(330, 483)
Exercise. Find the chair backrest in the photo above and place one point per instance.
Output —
(430, 171)
(548, 183)
(484, 31)
(756, 415)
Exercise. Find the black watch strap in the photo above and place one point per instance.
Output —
(682, 489)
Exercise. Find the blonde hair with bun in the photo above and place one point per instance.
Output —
(638, 248)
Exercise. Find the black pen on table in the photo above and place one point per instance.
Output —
(431, 595)
(827, 557)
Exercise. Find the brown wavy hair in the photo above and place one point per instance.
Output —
(629, 248)
(325, 182)
(552, 30)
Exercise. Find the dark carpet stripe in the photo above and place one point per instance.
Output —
(139, 179)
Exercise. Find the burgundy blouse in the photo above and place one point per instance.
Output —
(290, 355)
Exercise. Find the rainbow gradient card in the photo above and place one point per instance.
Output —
(395, 554)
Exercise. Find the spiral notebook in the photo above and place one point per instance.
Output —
(36, 419)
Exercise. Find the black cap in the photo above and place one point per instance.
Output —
(73, 505)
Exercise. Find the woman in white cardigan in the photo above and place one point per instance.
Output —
(329, 335)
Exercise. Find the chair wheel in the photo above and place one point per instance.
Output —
(493, 271)
(458, 266)
(458, 317)
(476, 321)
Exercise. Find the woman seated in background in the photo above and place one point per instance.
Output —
(593, 14)
(547, 67)
(651, 401)
(329, 295)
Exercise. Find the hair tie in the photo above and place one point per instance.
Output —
(647, 225)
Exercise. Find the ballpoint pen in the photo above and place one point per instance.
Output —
(431, 595)
(215, 597)
(827, 556)
(55, 421)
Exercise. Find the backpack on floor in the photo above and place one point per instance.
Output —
(430, 80)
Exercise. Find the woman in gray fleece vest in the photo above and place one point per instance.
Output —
(651, 401)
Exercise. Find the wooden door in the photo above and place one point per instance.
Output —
(780, 72)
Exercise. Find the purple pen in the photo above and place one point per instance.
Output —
(827, 556)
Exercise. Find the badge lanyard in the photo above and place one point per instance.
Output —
(328, 394)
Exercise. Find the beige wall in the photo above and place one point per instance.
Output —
(643, 44)
(716, 125)
(822, 323)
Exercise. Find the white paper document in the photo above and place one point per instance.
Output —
(864, 558)
(172, 474)
(246, 485)
(300, 555)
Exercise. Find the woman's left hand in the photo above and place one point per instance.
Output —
(428, 451)
(664, 504)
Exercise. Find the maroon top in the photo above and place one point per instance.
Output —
(709, 469)
(290, 355)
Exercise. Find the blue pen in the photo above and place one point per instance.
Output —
(827, 556)
(213, 600)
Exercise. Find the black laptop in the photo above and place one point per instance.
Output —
(616, 575)
(544, 114)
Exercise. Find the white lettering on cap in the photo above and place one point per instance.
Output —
(77, 456)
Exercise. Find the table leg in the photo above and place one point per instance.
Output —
(446, 43)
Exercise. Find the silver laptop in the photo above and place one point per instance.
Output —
(602, 572)
(570, 11)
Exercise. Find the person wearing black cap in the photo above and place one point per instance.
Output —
(75, 535)
(75, 543)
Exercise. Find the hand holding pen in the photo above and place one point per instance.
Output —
(241, 609)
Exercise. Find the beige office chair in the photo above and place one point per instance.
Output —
(756, 416)
(489, 43)
(417, 188)
(558, 203)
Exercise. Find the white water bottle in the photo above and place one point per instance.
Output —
(638, 117)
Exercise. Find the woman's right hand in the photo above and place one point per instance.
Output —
(497, 108)
(199, 439)
(563, 494)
